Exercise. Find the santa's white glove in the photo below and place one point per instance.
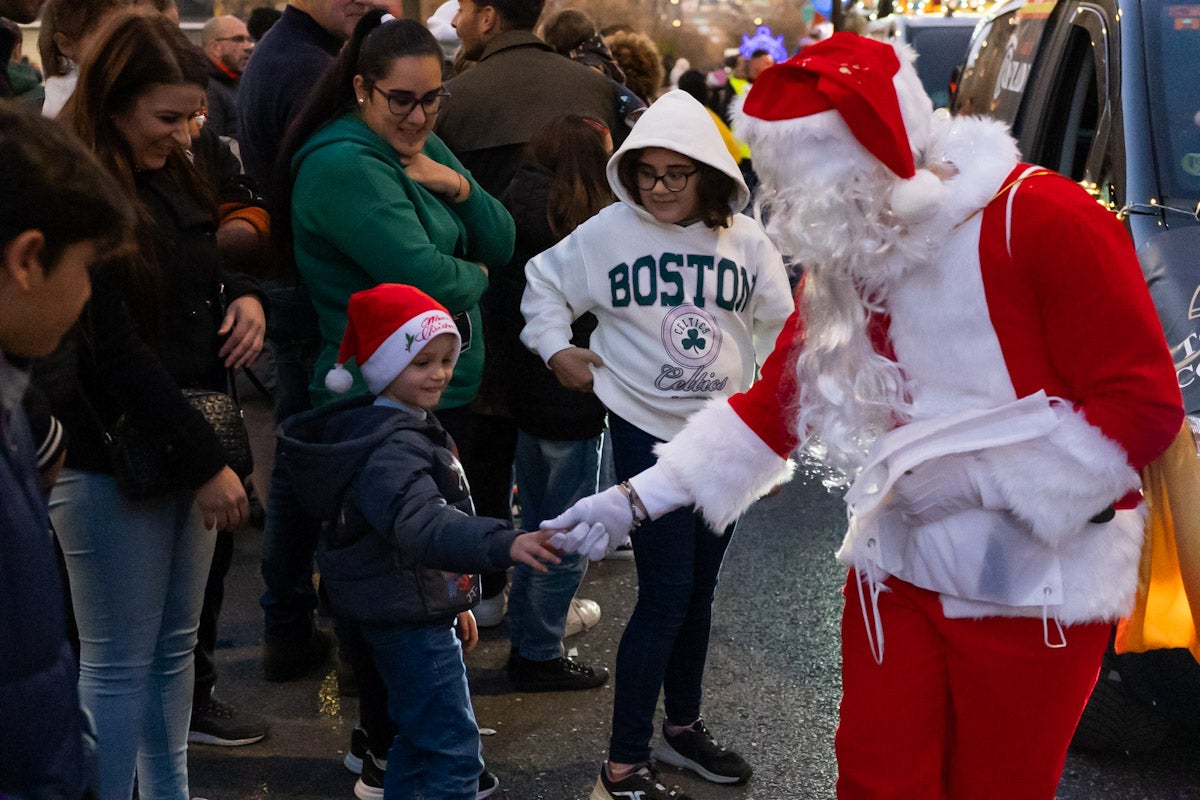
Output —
(940, 487)
(609, 510)
(591, 540)
(650, 494)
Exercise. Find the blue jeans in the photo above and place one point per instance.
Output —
(137, 574)
(551, 476)
(289, 535)
(436, 754)
(665, 644)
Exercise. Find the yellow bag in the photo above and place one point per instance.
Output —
(1167, 608)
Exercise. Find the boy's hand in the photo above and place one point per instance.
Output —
(467, 630)
(533, 549)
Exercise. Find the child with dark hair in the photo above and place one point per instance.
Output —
(60, 214)
(689, 296)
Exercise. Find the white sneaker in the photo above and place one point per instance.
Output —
(582, 616)
(491, 610)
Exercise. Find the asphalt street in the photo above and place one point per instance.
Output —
(772, 685)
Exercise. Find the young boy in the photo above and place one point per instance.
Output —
(399, 528)
(57, 219)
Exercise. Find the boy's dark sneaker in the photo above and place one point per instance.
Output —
(217, 722)
(370, 782)
(357, 752)
(694, 748)
(562, 674)
(642, 784)
(488, 784)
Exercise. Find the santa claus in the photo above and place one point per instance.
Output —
(975, 356)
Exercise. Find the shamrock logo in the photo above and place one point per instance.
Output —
(694, 341)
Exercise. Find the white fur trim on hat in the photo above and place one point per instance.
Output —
(391, 357)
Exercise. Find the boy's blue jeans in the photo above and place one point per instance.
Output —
(551, 476)
(436, 754)
(665, 644)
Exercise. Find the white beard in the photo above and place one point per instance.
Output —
(853, 253)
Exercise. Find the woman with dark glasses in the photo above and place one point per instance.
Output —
(373, 196)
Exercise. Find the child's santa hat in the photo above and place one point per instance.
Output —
(849, 85)
(385, 329)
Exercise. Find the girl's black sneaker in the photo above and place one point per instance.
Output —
(694, 748)
(641, 784)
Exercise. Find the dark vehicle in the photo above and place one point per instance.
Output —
(940, 41)
(1108, 93)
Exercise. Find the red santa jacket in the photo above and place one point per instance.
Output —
(1067, 314)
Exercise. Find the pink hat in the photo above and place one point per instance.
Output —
(385, 329)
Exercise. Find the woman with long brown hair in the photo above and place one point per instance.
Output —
(155, 323)
(559, 431)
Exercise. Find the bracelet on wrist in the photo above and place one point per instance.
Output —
(637, 509)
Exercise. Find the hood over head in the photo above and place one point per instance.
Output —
(324, 449)
(677, 121)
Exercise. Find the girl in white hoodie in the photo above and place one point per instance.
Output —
(689, 296)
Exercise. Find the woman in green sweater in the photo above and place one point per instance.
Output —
(376, 197)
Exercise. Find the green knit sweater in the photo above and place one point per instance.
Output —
(358, 220)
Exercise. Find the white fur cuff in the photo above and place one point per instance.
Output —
(722, 463)
(1059, 482)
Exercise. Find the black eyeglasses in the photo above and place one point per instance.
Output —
(242, 39)
(675, 180)
(403, 103)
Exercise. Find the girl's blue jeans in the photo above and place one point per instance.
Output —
(665, 644)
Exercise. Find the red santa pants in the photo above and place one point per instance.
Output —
(960, 709)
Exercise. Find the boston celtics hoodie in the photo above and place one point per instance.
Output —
(685, 312)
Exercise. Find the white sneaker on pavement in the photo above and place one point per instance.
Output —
(582, 616)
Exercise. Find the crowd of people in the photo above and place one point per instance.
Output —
(489, 252)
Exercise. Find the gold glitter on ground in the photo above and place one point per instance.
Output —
(328, 700)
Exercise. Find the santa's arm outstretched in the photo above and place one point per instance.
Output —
(729, 454)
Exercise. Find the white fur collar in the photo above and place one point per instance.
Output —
(983, 152)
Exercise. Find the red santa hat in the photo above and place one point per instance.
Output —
(856, 84)
(385, 329)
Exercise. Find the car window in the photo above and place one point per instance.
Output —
(939, 50)
(1067, 126)
(1172, 50)
(999, 62)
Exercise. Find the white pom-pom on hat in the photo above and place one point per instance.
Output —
(338, 379)
(918, 198)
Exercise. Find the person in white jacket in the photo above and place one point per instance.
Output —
(976, 356)
(689, 296)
